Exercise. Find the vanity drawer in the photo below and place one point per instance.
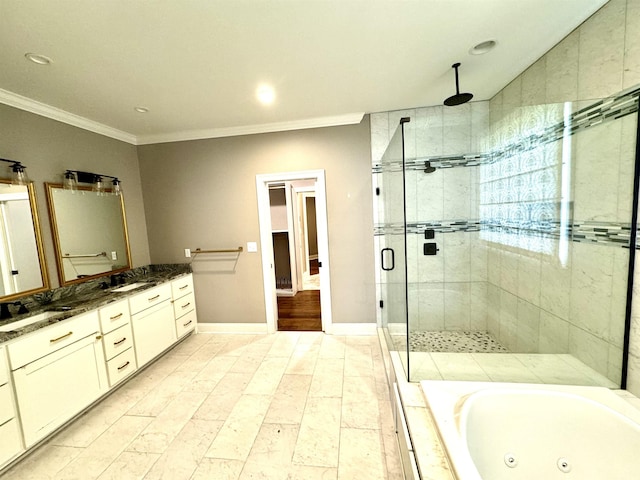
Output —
(52, 338)
(149, 298)
(114, 315)
(4, 370)
(6, 404)
(118, 341)
(182, 286)
(121, 367)
(184, 305)
(186, 323)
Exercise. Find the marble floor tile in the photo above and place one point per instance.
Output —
(161, 431)
(157, 399)
(44, 463)
(235, 438)
(274, 445)
(293, 405)
(97, 457)
(303, 360)
(357, 413)
(289, 400)
(319, 438)
(459, 366)
(267, 377)
(327, 378)
(130, 466)
(305, 472)
(207, 379)
(504, 367)
(332, 346)
(218, 469)
(361, 455)
(181, 458)
(89, 426)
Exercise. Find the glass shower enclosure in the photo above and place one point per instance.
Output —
(505, 241)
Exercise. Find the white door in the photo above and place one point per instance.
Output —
(264, 213)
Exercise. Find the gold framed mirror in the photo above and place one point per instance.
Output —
(89, 233)
(23, 268)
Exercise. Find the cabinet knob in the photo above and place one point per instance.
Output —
(98, 337)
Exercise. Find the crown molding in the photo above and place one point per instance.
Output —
(44, 110)
(347, 119)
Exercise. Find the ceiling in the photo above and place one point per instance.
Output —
(196, 64)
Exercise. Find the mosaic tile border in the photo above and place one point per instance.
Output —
(603, 111)
(616, 234)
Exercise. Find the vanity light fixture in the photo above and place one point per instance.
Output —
(73, 177)
(18, 173)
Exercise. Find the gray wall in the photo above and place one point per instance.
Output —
(47, 148)
(203, 194)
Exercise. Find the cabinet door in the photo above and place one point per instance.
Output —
(10, 444)
(153, 332)
(53, 389)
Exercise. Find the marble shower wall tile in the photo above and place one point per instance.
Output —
(591, 284)
(553, 334)
(632, 45)
(601, 52)
(534, 87)
(596, 173)
(379, 125)
(562, 70)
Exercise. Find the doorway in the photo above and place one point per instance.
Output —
(295, 252)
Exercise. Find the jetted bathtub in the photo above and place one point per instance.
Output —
(495, 431)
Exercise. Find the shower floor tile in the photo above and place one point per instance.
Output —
(455, 342)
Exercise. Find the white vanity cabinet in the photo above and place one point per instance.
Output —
(184, 305)
(153, 322)
(57, 371)
(117, 339)
(10, 441)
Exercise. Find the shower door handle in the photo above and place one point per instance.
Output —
(393, 259)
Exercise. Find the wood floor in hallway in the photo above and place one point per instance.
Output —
(300, 312)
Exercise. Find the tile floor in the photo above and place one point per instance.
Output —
(563, 369)
(292, 405)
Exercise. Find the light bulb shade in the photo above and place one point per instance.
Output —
(116, 188)
(19, 174)
(98, 185)
(70, 182)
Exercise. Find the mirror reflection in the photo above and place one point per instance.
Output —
(89, 231)
(22, 264)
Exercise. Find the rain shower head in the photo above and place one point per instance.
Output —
(458, 98)
(428, 168)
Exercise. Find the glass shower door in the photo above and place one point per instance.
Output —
(392, 242)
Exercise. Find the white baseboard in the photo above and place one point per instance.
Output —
(250, 328)
(354, 329)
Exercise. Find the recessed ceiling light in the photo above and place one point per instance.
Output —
(39, 59)
(266, 95)
(141, 109)
(482, 47)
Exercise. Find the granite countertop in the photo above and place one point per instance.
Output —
(95, 294)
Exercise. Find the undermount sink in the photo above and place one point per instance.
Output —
(27, 321)
(131, 286)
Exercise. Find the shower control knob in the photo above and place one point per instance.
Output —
(431, 249)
